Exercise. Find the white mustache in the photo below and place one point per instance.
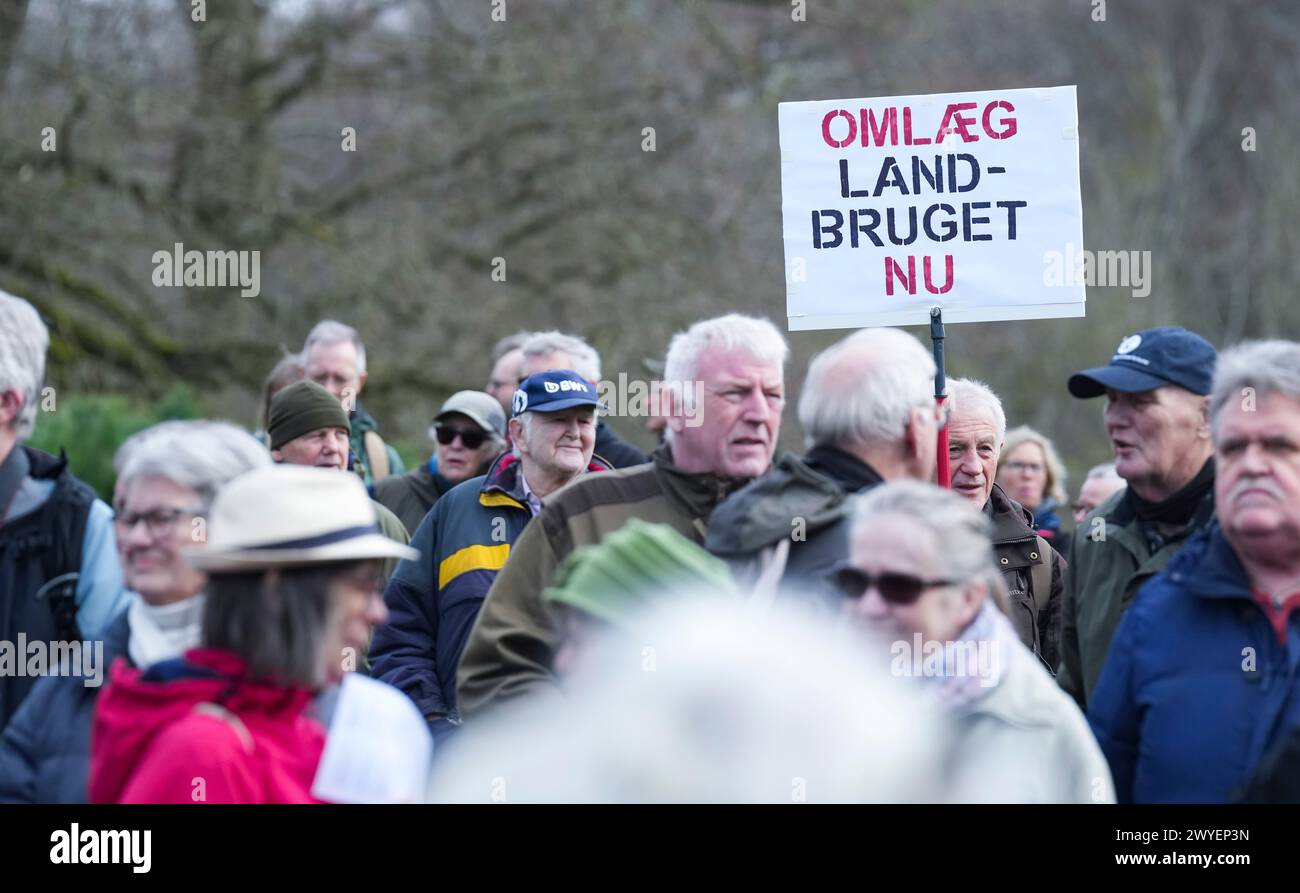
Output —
(1256, 483)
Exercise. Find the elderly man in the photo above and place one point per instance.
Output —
(1031, 568)
(507, 360)
(59, 576)
(334, 357)
(1203, 678)
(738, 364)
(868, 414)
(469, 432)
(1100, 484)
(467, 537)
(555, 350)
(1157, 416)
(921, 575)
(308, 426)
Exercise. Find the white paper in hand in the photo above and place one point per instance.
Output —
(379, 749)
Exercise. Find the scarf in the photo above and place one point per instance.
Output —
(1159, 522)
(1180, 508)
(973, 665)
(162, 632)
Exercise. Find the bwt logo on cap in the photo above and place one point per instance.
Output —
(554, 387)
(1129, 344)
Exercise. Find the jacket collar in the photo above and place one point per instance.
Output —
(1011, 520)
(845, 469)
(1208, 567)
(698, 492)
(505, 479)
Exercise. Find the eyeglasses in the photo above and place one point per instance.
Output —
(470, 438)
(159, 522)
(897, 589)
(1025, 467)
(368, 581)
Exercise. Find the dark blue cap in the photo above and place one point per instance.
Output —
(552, 391)
(1151, 359)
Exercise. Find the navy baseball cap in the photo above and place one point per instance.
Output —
(1150, 359)
(553, 391)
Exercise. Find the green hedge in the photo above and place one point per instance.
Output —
(91, 428)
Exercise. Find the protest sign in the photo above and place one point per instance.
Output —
(894, 205)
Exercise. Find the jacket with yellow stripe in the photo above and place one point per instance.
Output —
(432, 602)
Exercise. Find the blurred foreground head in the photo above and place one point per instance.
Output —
(702, 701)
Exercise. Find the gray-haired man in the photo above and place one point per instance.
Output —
(60, 580)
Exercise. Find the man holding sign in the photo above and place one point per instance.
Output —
(894, 205)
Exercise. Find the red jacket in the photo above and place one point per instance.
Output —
(197, 730)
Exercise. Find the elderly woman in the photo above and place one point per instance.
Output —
(168, 476)
(293, 564)
(921, 574)
(1031, 472)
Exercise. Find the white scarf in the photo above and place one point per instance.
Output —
(161, 632)
(965, 679)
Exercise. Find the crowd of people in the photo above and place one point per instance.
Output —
(718, 619)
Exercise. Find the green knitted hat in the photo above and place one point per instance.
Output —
(631, 568)
(302, 407)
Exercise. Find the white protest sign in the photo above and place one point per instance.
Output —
(893, 205)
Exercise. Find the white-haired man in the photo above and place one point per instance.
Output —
(868, 414)
(60, 580)
(335, 358)
(1032, 569)
(737, 363)
(1203, 676)
(548, 351)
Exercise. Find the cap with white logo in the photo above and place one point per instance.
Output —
(553, 391)
(1151, 359)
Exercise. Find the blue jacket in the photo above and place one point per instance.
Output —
(433, 601)
(1196, 688)
(45, 750)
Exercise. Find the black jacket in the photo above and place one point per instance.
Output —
(616, 451)
(803, 500)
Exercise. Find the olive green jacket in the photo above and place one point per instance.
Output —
(1109, 562)
(514, 640)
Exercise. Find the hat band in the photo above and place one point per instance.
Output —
(323, 539)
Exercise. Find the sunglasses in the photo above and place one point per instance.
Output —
(471, 439)
(897, 589)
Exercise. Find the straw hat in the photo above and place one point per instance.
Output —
(288, 515)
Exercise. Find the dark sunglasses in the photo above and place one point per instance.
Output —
(471, 439)
(897, 589)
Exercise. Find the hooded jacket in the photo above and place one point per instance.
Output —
(1111, 558)
(432, 602)
(1021, 555)
(1198, 688)
(198, 729)
(802, 501)
(513, 643)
